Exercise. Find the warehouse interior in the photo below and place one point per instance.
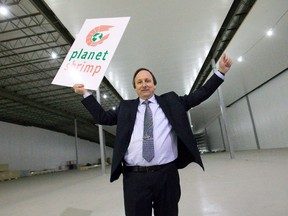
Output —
(244, 147)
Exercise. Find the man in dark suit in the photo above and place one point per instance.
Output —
(152, 182)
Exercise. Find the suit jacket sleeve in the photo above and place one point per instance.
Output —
(101, 116)
(201, 94)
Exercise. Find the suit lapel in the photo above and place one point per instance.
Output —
(163, 104)
(133, 112)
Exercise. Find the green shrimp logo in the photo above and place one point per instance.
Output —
(96, 36)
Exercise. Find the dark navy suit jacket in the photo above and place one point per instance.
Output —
(175, 108)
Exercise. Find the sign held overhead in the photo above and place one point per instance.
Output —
(91, 52)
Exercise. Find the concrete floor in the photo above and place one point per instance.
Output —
(254, 183)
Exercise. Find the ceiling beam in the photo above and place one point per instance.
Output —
(235, 17)
(27, 101)
(86, 124)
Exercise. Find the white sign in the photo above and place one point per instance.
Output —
(91, 52)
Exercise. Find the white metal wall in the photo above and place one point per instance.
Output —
(215, 137)
(240, 126)
(30, 148)
(269, 105)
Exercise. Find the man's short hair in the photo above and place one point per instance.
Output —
(140, 69)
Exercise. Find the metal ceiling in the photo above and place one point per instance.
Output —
(236, 15)
(29, 34)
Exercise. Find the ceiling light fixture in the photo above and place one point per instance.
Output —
(269, 32)
(54, 55)
(3, 10)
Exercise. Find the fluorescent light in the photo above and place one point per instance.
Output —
(54, 55)
(269, 32)
(3, 10)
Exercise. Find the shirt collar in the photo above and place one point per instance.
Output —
(152, 100)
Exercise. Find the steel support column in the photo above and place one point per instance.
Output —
(190, 120)
(224, 128)
(101, 139)
(76, 142)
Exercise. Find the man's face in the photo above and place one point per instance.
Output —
(144, 85)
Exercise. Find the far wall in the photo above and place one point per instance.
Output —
(31, 148)
(257, 121)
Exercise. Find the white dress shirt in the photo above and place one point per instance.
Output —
(165, 140)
